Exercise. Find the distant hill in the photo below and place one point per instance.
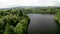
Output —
(28, 7)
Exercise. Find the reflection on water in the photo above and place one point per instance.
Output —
(42, 24)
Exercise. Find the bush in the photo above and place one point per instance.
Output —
(2, 24)
(8, 29)
(24, 22)
(59, 21)
(19, 29)
(57, 17)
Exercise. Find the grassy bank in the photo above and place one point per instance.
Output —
(57, 17)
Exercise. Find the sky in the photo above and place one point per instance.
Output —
(14, 3)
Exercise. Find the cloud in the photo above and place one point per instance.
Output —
(37, 2)
(7, 3)
(12, 3)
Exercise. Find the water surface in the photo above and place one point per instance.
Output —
(43, 24)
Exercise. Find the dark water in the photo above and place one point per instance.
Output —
(43, 24)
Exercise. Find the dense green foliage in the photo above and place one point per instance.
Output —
(13, 22)
(57, 17)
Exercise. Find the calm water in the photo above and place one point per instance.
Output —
(42, 24)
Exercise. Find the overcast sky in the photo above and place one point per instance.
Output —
(13, 3)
